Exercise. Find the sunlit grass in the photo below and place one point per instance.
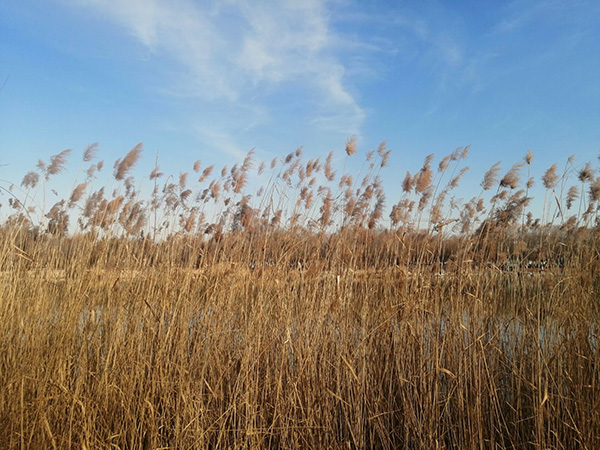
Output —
(208, 316)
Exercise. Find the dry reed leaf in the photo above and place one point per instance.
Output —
(349, 366)
(446, 371)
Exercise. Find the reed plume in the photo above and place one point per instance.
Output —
(572, 195)
(513, 176)
(491, 176)
(550, 177)
(425, 176)
(57, 163)
(90, 152)
(30, 180)
(586, 174)
(351, 146)
(77, 193)
(123, 166)
(407, 183)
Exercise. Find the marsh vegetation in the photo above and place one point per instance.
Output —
(303, 314)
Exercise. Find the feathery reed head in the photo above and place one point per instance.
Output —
(550, 177)
(491, 176)
(123, 166)
(57, 163)
(513, 177)
(586, 174)
(351, 146)
(90, 152)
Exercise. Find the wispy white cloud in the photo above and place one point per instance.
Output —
(284, 39)
(220, 141)
(178, 31)
(230, 50)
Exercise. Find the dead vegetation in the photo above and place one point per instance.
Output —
(205, 316)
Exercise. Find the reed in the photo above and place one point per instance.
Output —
(204, 315)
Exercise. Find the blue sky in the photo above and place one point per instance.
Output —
(210, 80)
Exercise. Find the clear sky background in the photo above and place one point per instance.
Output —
(210, 80)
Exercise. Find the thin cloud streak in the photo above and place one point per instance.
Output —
(221, 141)
(232, 50)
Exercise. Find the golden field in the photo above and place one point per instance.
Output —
(282, 324)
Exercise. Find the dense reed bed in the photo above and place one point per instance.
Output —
(200, 315)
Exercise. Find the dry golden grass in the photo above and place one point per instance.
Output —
(260, 335)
